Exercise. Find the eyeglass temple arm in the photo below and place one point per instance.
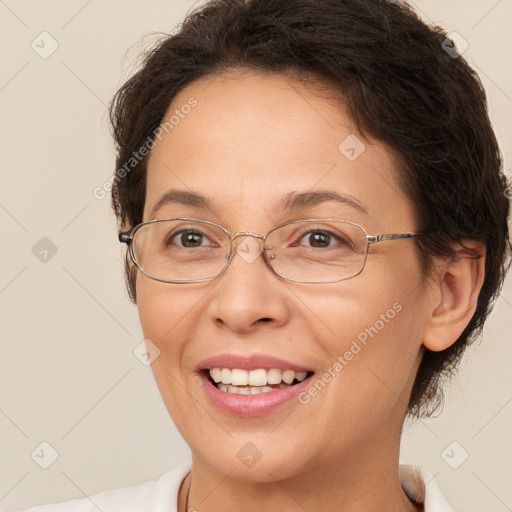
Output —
(125, 238)
(373, 239)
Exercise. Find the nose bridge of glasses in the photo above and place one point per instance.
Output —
(261, 240)
(250, 250)
(246, 233)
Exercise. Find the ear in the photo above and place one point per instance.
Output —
(453, 295)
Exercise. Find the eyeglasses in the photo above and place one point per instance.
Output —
(188, 250)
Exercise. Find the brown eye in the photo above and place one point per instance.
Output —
(187, 238)
(319, 239)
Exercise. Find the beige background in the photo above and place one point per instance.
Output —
(68, 375)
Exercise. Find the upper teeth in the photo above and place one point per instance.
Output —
(258, 377)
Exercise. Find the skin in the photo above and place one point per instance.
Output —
(252, 139)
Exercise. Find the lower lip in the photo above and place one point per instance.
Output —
(251, 405)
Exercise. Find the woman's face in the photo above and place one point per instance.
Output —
(250, 141)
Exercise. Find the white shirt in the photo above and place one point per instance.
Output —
(162, 495)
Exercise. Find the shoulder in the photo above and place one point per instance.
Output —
(161, 494)
(421, 487)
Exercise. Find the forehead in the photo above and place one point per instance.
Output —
(252, 138)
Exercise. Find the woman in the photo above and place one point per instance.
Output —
(312, 196)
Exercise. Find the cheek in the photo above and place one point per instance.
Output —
(165, 310)
(167, 318)
(374, 344)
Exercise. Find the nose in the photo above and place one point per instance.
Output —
(249, 294)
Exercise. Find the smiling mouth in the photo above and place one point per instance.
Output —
(253, 382)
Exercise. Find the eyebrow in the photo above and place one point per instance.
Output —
(291, 202)
(183, 197)
(296, 201)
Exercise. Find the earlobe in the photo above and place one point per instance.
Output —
(453, 296)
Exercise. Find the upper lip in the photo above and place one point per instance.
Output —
(249, 362)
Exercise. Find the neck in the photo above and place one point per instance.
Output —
(364, 481)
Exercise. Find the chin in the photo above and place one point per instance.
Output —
(249, 464)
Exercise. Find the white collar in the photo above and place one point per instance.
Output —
(421, 487)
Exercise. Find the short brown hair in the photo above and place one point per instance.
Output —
(400, 86)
